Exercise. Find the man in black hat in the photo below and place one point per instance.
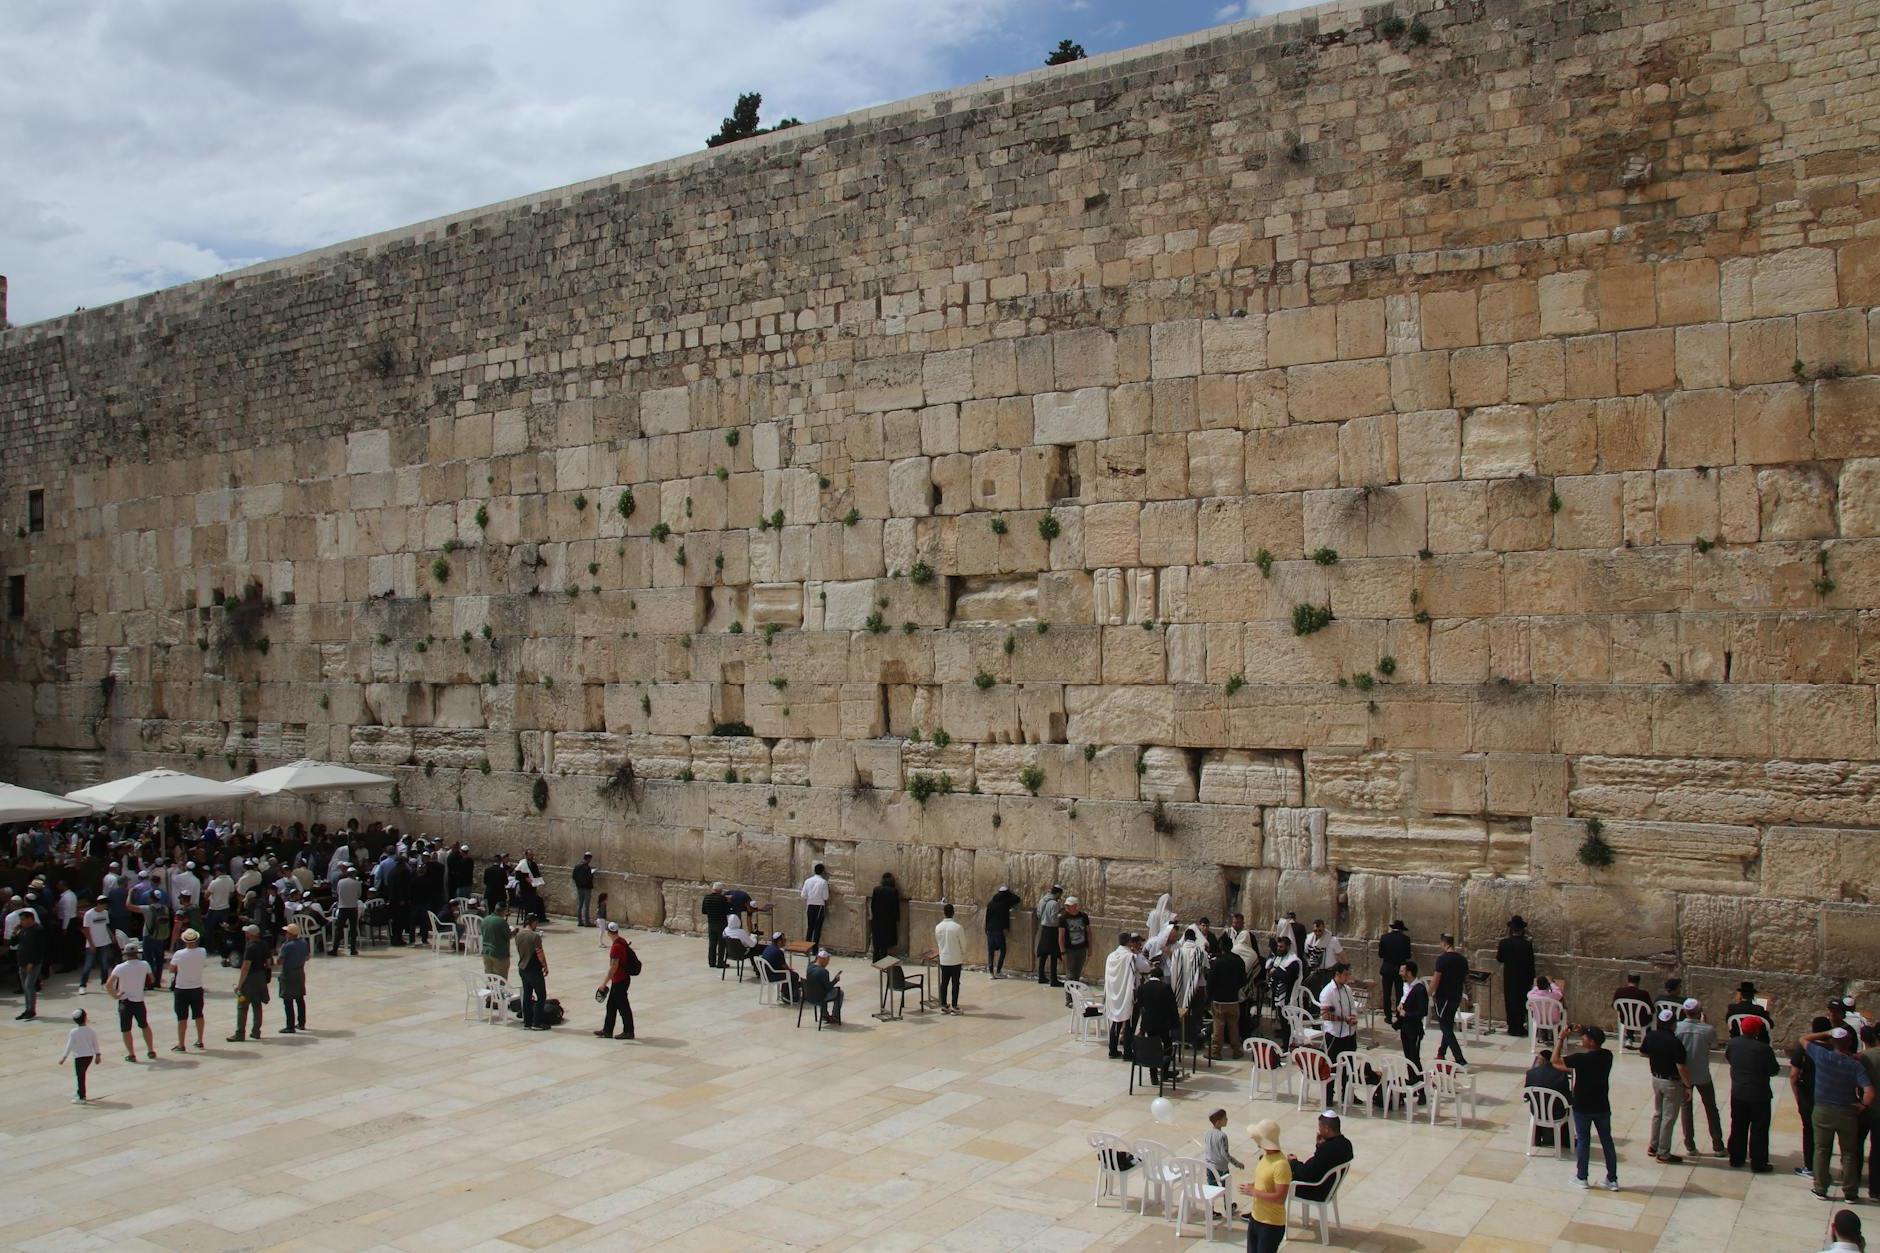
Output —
(1516, 955)
(1393, 950)
(1745, 1003)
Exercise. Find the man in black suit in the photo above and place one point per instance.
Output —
(1412, 1012)
(1516, 955)
(1158, 1016)
(1331, 1152)
(1393, 950)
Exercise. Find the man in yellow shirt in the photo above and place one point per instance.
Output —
(1272, 1178)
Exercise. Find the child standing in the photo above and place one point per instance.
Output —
(81, 1045)
(1220, 1157)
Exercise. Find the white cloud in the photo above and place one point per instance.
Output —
(1241, 10)
(164, 140)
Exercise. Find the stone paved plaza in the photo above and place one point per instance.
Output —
(395, 1124)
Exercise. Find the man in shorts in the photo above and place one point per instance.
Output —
(127, 982)
(185, 970)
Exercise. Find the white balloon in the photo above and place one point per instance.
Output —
(1162, 1110)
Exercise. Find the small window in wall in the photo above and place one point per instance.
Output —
(16, 596)
(36, 509)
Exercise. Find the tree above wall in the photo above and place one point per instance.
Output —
(742, 124)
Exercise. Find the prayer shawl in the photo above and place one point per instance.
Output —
(1119, 985)
(1185, 963)
(1160, 916)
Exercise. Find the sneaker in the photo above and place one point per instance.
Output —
(177, 1048)
(1804, 1172)
(152, 1055)
(78, 1100)
(1762, 1170)
(1819, 1195)
(82, 990)
(1612, 1185)
(287, 1031)
(130, 1057)
(1584, 1185)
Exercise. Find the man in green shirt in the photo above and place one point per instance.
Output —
(496, 935)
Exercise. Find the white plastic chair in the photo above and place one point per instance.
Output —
(769, 983)
(1322, 1210)
(1401, 1086)
(1152, 1156)
(1269, 1069)
(1359, 1078)
(1080, 999)
(1305, 1028)
(1314, 1071)
(472, 994)
(1188, 1180)
(312, 930)
(443, 935)
(495, 996)
(1635, 1017)
(1734, 1026)
(1544, 1014)
(1449, 1082)
(470, 934)
(1113, 1177)
(1547, 1109)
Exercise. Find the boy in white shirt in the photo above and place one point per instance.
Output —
(81, 1046)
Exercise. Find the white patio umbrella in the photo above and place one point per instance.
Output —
(22, 804)
(158, 792)
(309, 778)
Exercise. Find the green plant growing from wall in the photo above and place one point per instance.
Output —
(1049, 527)
(1594, 850)
(1308, 618)
(1031, 779)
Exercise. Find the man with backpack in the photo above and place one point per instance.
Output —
(532, 967)
(622, 964)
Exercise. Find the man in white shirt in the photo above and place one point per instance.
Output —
(949, 943)
(347, 894)
(185, 969)
(1339, 1014)
(111, 878)
(1121, 971)
(1322, 947)
(127, 983)
(250, 879)
(815, 903)
(100, 955)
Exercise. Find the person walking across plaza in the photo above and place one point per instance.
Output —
(949, 943)
(815, 903)
(621, 965)
(1452, 975)
(100, 953)
(532, 969)
(496, 936)
(251, 983)
(185, 968)
(31, 951)
(128, 982)
(293, 956)
(1698, 1038)
(1753, 1063)
(1842, 1092)
(1591, 1069)
(81, 1049)
(584, 892)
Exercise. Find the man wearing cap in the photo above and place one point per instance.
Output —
(348, 894)
(1393, 950)
(1515, 953)
(295, 951)
(185, 969)
(998, 925)
(100, 952)
(949, 943)
(1698, 1038)
(716, 908)
(1753, 1063)
(1591, 1069)
(1842, 1092)
(619, 978)
(251, 983)
(31, 950)
(1331, 1151)
(1272, 1181)
(127, 983)
(1074, 938)
(584, 892)
(1050, 910)
(1671, 1083)
(820, 985)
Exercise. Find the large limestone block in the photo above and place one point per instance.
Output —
(1440, 846)
(1293, 839)
(1233, 345)
(658, 756)
(1746, 933)
(1339, 390)
(910, 487)
(1359, 782)
(1821, 864)
(715, 755)
(1069, 417)
(1683, 857)
(1687, 789)
(989, 716)
(1498, 442)
(998, 767)
(1167, 774)
(1798, 503)
(1175, 349)
(1297, 336)
(1850, 938)
(1242, 777)
(1223, 835)
(1119, 714)
(779, 604)
(665, 411)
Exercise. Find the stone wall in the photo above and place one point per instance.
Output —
(991, 459)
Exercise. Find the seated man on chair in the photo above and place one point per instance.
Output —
(1331, 1152)
(1544, 1074)
(819, 983)
(779, 961)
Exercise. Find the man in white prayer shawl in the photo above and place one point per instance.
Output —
(1160, 916)
(1120, 972)
(1187, 965)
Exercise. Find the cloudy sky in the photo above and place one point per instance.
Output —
(149, 142)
